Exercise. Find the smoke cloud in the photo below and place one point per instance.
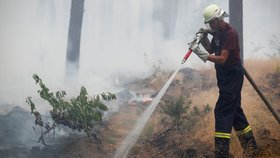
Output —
(121, 41)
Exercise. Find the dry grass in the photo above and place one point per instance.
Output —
(259, 67)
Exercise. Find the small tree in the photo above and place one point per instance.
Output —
(175, 110)
(80, 113)
(181, 115)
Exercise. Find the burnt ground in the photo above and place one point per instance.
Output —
(158, 139)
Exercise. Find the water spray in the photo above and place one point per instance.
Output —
(132, 137)
(134, 134)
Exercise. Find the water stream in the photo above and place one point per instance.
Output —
(134, 134)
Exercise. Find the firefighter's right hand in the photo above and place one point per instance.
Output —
(200, 53)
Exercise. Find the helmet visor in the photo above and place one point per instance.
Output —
(224, 14)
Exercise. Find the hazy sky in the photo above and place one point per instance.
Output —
(120, 40)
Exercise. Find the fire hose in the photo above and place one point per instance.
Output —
(198, 38)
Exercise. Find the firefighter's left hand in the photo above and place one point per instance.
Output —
(204, 39)
(200, 53)
(202, 31)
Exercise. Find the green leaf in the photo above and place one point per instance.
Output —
(31, 104)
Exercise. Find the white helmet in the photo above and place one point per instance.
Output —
(213, 11)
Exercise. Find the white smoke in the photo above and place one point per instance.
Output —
(32, 41)
(261, 22)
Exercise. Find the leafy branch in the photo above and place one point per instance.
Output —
(80, 113)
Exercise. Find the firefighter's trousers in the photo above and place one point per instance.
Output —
(228, 111)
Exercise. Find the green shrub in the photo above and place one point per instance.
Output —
(80, 113)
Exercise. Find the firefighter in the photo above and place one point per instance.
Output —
(223, 51)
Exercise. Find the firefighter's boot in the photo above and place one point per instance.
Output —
(248, 143)
(222, 147)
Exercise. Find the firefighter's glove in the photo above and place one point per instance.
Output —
(204, 40)
(200, 53)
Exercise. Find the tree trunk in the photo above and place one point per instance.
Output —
(74, 39)
(236, 20)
